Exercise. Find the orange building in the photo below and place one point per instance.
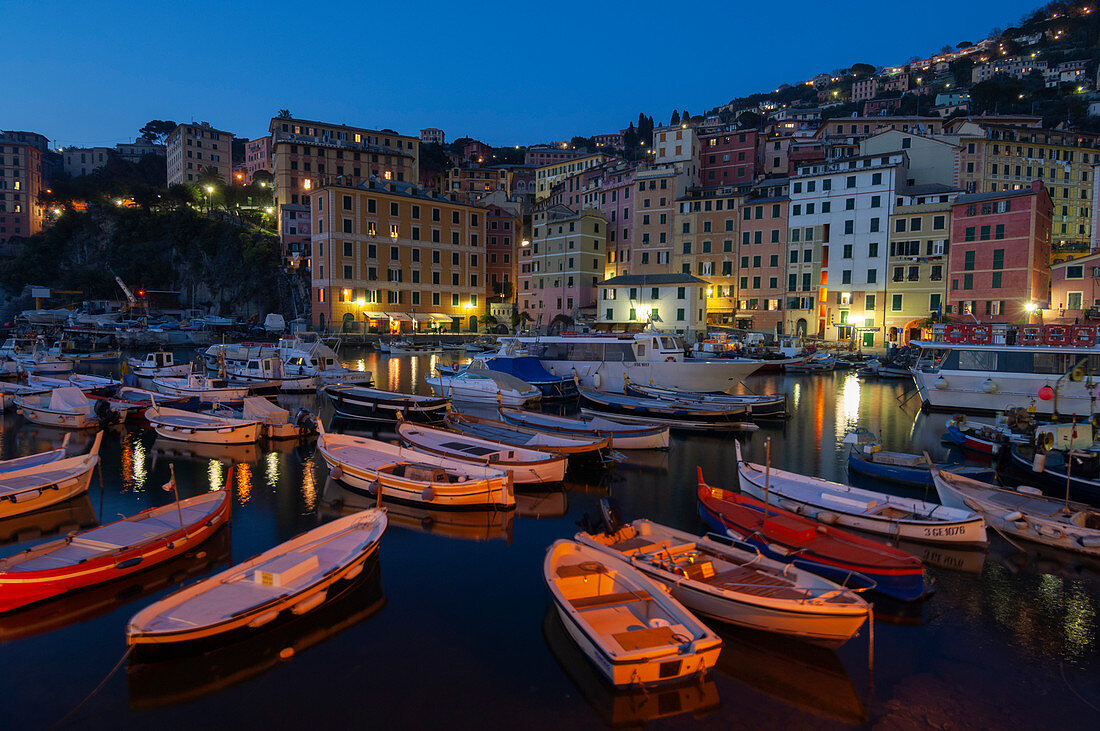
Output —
(21, 215)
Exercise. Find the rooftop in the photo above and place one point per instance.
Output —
(646, 280)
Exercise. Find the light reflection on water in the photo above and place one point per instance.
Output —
(242, 474)
(215, 475)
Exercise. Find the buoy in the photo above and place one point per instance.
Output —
(286, 653)
(336, 472)
(1046, 393)
(940, 383)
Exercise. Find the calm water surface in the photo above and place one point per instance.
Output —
(451, 629)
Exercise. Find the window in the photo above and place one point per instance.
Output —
(869, 303)
(934, 302)
(998, 258)
(996, 280)
(846, 276)
(969, 233)
(895, 303)
(1074, 300)
(977, 360)
(968, 281)
(850, 181)
(968, 261)
(1075, 272)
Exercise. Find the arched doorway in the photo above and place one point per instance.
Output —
(893, 335)
(473, 323)
(800, 327)
(321, 321)
(348, 322)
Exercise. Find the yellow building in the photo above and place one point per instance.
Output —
(704, 244)
(395, 257)
(194, 147)
(547, 175)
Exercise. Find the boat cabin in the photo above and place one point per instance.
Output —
(639, 347)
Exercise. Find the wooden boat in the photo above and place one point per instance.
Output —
(8, 392)
(526, 466)
(294, 577)
(269, 369)
(361, 403)
(735, 585)
(625, 623)
(623, 436)
(816, 363)
(758, 406)
(875, 512)
(41, 485)
(370, 466)
(206, 390)
(1047, 471)
(974, 437)
(34, 460)
(579, 449)
(825, 550)
(1024, 513)
(529, 369)
(484, 386)
(866, 458)
(205, 428)
(67, 408)
(674, 414)
(112, 551)
(94, 384)
(400, 348)
(158, 364)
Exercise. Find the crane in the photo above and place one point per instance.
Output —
(134, 305)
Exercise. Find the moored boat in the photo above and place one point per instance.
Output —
(484, 386)
(42, 485)
(205, 428)
(867, 459)
(756, 405)
(526, 466)
(735, 585)
(67, 408)
(682, 415)
(157, 363)
(362, 403)
(579, 449)
(875, 512)
(529, 369)
(622, 435)
(112, 551)
(295, 577)
(206, 390)
(270, 369)
(625, 623)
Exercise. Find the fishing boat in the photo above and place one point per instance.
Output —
(41, 485)
(35, 460)
(734, 585)
(270, 369)
(601, 362)
(159, 363)
(276, 422)
(206, 390)
(975, 437)
(579, 449)
(484, 386)
(825, 550)
(819, 362)
(874, 512)
(294, 577)
(1024, 513)
(622, 435)
(362, 403)
(94, 384)
(529, 369)
(867, 459)
(756, 405)
(526, 466)
(372, 467)
(682, 415)
(68, 408)
(113, 551)
(205, 428)
(9, 391)
(625, 623)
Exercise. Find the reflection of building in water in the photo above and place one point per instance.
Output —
(214, 473)
(309, 487)
(244, 482)
(847, 413)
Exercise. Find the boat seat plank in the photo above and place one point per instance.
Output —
(632, 544)
(569, 570)
(643, 639)
(607, 600)
(756, 583)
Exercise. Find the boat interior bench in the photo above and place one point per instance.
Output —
(642, 639)
(607, 600)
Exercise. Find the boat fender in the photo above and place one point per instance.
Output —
(336, 472)
(427, 494)
(129, 563)
(1089, 541)
(596, 380)
(670, 359)
(1013, 516)
(354, 571)
(1050, 531)
(262, 619)
(1039, 463)
(789, 505)
(826, 516)
(372, 487)
(309, 603)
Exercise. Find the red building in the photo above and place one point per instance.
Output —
(475, 151)
(503, 236)
(21, 176)
(881, 106)
(727, 158)
(998, 261)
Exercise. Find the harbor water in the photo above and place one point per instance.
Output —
(450, 627)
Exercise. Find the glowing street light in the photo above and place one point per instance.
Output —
(1030, 307)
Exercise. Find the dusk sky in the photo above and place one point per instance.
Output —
(92, 73)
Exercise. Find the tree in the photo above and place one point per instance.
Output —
(749, 120)
(675, 119)
(157, 130)
(685, 116)
(581, 142)
(559, 323)
(284, 114)
(861, 69)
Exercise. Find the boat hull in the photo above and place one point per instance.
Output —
(244, 434)
(693, 375)
(966, 391)
(360, 408)
(908, 476)
(49, 495)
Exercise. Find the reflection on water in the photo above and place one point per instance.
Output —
(55, 520)
(309, 484)
(133, 462)
(215, 474)
(242, 473)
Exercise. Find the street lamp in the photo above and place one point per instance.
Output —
(209, 196)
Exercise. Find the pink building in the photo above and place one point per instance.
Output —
(1074, 290)
(728, 158)
(998, 263)
(562, 266)
(614, 140)
(615, 201)
(503, 236)
(257, 157)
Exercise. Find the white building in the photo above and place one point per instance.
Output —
(671, 302)
(194, 147)
(84, 160)
(678, 145)
(838, 229)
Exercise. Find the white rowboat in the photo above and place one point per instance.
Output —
(41, 485)
(205, 428)
(526, 466)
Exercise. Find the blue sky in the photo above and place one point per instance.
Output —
(93, 73)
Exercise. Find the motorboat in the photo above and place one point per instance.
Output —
(397, 473)
(291, 579)
(874, 512)
(622, 435)
(606, 362)
(828, 551)
(735, 585)
(275, 422)
(159, 363)
(407, 348)
(526, 466)
(759, 406)
(685, 415)
(9, 391)
(206, 428)
(626, 624)
(867, 459)
(363, 403)
(86, 558)
(1024, 513)
(202, 388)
(36, 486)
(484, 386)
(579, 449)
(269, 369)
(67, 407)
(530, 370)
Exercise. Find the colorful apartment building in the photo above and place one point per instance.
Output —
(616, 202)
(503, 237)
(678, 145)
(667, 302)
(999, 258)
(916, 287)
(257, 158)
(704, 241)
(1074, 290)
(21, 181)
(393, 257)
(728, 157)
(433, 136)
(560, 270)
(656, 190)
(762, 258)
(194, 148)
(864, 89)
(540, 155)
(841, 136)
(472, 183)
(547, 176)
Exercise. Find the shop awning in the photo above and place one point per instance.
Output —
(401, 316)
(436, 317)
(375, 315)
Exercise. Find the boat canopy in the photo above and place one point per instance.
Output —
(69, 398)
(527, 368)
(262, 410)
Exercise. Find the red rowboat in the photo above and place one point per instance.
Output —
(112, 551)
(792, 538)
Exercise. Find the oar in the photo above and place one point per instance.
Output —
(176, 494)
(767, 472)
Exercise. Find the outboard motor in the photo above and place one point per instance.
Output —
(306, 421)
(104, 412)
(611, 515)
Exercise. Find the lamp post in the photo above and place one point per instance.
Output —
(209, 197)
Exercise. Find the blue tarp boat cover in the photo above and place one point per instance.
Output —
(524, 367)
